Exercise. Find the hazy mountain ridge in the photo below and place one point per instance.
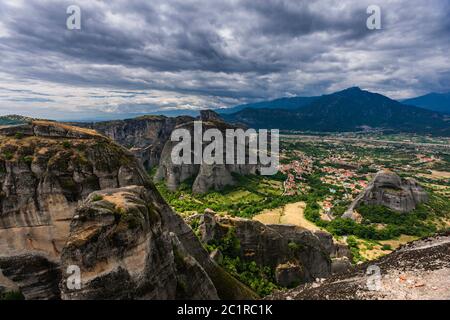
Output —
(433, 101)
(352, 109)
(288, 103)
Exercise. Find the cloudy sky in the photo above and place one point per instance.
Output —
(139, 56)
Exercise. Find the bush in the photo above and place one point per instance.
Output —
(8, 155)
(97, 197)
(12, 295)
(260, 279)
(28, 160)
(66, 144)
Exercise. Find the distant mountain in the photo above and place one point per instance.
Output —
(433, 101)
(282, 103)
(13, 119)
(352, 109)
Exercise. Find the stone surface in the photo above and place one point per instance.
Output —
(271, 245)
(46, 170)
(34, 275)
(205, 176)
(144, 136)
(389, 190)
(289, 275)
(124, 251)
(341, 265)
(416, 271)
(42, 179)
(148, 138)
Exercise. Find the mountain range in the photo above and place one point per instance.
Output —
(433, 101)
(281, 103)
(352, 109)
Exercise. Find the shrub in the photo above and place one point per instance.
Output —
(8, 155)
(97, 197)
(66, 144)
(28, 159)
(12, 295)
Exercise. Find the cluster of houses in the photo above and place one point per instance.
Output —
(295, 171)
(348, 179)
(421, 158)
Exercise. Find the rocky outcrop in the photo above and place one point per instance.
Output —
(33, 274)
(124, 251)
(144, 136)
(148, 138)
(416, 271)
(289, 275)
(205, 176)
(46, 170)
(389, 190)
(297, 254)
(209, 115)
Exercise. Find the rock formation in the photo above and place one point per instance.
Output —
(144, 136)
(205, 176)
(124, 251)
(46, 170)
(148, 138)
(419, 270)
(389, 190)
(296, 255)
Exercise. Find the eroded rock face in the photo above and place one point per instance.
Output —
(205, 176)
(144, 136)
(416, 271)
(289, 275)
(389, 190)
(148, 138)
(118, 240)
(33, 274)
(271, 245)
(43, 175)
(46, 170)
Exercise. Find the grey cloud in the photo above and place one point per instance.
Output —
(226, 52)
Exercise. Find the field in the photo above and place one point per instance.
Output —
(292, 213)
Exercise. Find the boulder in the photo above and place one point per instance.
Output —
(124, 252)
(341, 265)
(419, 270)
(47, 171)
(389, 190)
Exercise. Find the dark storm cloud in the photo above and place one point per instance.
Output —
(215, 53)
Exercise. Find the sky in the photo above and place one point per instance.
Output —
(139, 56)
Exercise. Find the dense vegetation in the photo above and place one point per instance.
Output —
(381, 223)
(260, 279)
(250, 196)
(380, 230)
